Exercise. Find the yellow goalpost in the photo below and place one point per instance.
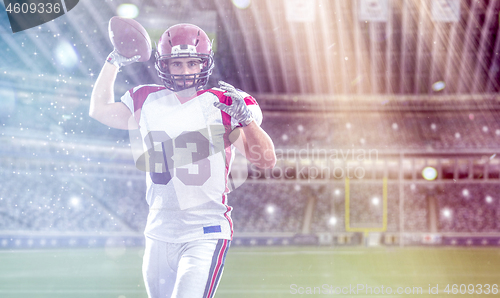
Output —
(366, 230)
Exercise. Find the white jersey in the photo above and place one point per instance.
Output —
(188, 160)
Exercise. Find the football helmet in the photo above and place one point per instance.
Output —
(184, 41)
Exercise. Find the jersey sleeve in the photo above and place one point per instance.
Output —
(257, 113)
(135, 98)
(128, 100)
(253, 106)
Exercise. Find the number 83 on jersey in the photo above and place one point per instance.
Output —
(185, 157)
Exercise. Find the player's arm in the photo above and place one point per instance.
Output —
(103, 107)
(251, 140)
(255, 144)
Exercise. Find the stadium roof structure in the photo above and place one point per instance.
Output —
(340, 47)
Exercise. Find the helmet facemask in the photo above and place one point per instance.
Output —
(179, 82)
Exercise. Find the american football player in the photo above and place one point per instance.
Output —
(190, 136)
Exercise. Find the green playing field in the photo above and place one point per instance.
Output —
(263, 272)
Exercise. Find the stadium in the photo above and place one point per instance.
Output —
(385, 119)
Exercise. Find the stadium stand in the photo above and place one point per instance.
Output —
(469, 208)
(262, 207)
(387, 130)
(78, 177)
(51, 204)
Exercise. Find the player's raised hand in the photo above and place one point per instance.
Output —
(118, 60)
(238, 109)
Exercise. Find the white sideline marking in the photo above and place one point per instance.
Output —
(304, 252)
(23, 291)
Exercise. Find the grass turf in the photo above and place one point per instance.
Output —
(259, 272)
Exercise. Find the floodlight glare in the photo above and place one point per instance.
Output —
(332, 221)
(242, 4)
(126, 10)
(447, 213)
(438, 86)
(66, 55)
(429, 173)
(75, 201)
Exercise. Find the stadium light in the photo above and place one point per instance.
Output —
(242, 4)
(75, 201)
(429, 173)
(66, 55)
(489, 199)
(127, 10)
(438, 86)
(447, 213)
(332, 221)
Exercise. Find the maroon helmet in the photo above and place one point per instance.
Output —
(184, 41)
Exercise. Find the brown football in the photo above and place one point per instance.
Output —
(129, 38)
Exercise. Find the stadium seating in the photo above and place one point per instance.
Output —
(383, 131)
(275, 207)
(51, 204)
(46, 187)
(96, 204)
(469, 208)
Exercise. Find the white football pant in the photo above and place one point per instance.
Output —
(183, 270)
